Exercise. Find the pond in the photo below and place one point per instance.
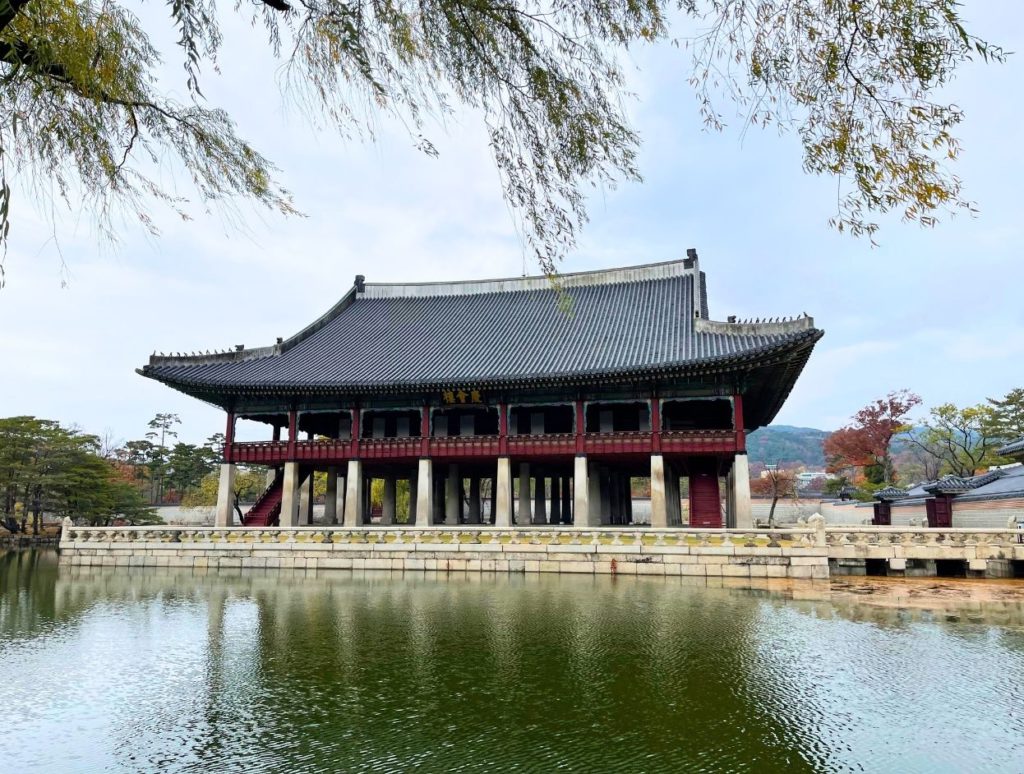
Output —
(146, 670)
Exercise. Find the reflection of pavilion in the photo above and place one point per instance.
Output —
(448, 385)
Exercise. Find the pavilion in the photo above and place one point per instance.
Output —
(556, 392)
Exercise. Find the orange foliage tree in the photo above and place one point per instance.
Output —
(866, 442)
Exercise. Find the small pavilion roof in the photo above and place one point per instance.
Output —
(890, 493)
(618, 324)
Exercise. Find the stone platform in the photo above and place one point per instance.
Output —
(797, 553)
(807, 552)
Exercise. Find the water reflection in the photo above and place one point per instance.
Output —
(154, 669)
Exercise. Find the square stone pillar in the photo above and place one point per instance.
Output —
(411, 518)
(525, 515)
(290, 495)
(331, 496)
(473, 517)
(594, 516)
(502, 494)
(583, 487)
(425, 493)
(387, 515)
(659, 502)
(540, 501)
(225, 496)
(354, 494)
(452, 496)
(743, 513)
(306, 501)
(556, 500)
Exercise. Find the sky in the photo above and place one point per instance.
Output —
(938, 311)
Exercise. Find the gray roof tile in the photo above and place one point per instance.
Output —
(627, 321)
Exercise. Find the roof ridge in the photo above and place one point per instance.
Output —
(612, 276)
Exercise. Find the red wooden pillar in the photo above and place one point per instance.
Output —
(425, 431)
(656, 425)
(276, 437)
(355, 432)
(229, 438)
(737, 422)
(293, 432)
(502, 429)
(580, 426)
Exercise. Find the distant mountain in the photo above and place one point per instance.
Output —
(788, 445)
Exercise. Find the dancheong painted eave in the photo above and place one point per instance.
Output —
(629, 324)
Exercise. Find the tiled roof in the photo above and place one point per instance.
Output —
(1012, 449)
(951, 484)
(624, 322)
(890, 493)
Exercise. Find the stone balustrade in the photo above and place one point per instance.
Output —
(993, 552)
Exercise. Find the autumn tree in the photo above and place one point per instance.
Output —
(777, 484)
(866, 443)
(86, 118)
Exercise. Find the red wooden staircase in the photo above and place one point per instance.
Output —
(266, 511)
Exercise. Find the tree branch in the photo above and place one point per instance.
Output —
(8, 10)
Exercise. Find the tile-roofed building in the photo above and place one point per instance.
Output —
(610, 374)
(1014, 449)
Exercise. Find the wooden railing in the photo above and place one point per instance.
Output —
(482, 446)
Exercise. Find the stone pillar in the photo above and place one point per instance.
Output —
(583, 488)
(425, 493)
(354, 494)
(290, 495)
(566, 500)
(659, 503)
(673, 505)
(331, 496)
(474, 500)
(452, 496)
(413, 489)
(744, 514)
(525, 515)
(388, 509)
(556, 500)
(605, 490)
(306, 501)
(540, 501)
(502, 494)
(225, 496)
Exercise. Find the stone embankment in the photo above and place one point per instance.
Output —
(812, 552)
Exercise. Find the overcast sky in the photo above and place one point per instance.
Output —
(937, 311)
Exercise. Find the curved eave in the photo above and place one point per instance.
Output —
(791, 353)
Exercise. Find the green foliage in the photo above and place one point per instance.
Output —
(45, 467)
(84, 118)
(960, 440)
(1006, 418)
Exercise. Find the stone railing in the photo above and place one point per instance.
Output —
(924, 543)
(453, 536)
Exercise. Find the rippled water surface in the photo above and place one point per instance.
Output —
(152, 670)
